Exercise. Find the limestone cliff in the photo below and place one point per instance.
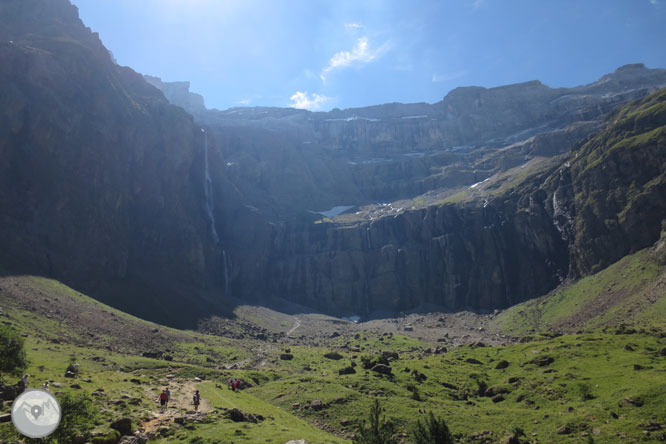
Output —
(101, 179)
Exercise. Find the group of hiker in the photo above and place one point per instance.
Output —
(233, 384)
(165, 396)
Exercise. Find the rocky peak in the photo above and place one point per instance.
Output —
(178, 93)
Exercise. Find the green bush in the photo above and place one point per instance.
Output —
(78, 416)
(12, 355)
(432, 431)
(378, 431)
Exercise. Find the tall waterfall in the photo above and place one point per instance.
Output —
(208, 192)
(227, 284)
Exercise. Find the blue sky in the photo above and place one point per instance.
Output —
(339, 53)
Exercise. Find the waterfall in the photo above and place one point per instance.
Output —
(208, 192)
(227, 284)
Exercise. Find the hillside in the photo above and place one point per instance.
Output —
(607, 386)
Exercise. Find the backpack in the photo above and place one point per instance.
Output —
(195, 398)
(21, 384)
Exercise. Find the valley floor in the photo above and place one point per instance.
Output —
(314, 377)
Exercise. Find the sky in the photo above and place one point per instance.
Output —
(320, 55)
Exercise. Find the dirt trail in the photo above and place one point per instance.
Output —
(296, 325)
(180, 405)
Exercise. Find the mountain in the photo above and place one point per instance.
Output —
(101, 179)
(174, 212)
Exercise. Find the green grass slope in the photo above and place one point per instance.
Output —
(609, 387)
(631, 291)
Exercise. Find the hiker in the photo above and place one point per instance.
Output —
(168, 393)
(237, 384)
(230, 384)
(23, 383)
(197, 400)
(163, 399)
(45, 386)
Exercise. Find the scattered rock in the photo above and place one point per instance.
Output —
(542, 361)
(317, 405)
(497, 398)
(473, 361)
(346, 371)
(5, 418)
(179, 420)
(286, 356)
(390, 355)
(637, 402)
(76, 386)
(418, 376)
(502, 364)
(72, 371)
(382, 369)
(297, 441)
(333, 355)
(152, 355)
(123, 425)
(335, 334)
(563, 430)
(236, 415)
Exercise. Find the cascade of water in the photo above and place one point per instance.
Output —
(208, 192)
(227, 284)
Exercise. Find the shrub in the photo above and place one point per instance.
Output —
(432, 431)
(378, 431)
(12, 354)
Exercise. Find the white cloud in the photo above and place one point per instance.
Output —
(478, 3)
(359, 53)
(447, 76)
(353, 25)
(655, 3)
(312, 102)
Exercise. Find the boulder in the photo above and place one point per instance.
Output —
(237, 415)
(317, 405)
(333, 355)
(72, 371)
(286, 356)
(123, 425)
(382, 369)
(346, 371)
(502, 364)
(542, 361)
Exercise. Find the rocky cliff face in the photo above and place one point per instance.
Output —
(603, 200)
(100, 177)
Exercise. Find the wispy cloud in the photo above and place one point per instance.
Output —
(360, 53)
(313, 101)
(447, 76)
(353, 25)
(656, 3)
(479, 3)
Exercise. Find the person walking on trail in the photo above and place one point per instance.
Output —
(168, 396)
(163, 400)
(23, 383)
(197, 400)
(230, 383)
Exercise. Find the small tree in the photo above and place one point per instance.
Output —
(77, 421)
(432, 431)
(378, 431)
(12, 354)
